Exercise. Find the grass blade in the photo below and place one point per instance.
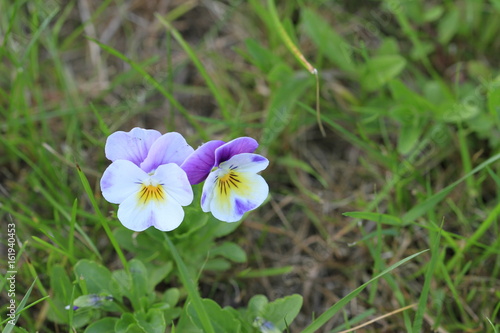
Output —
(103, 220)
(190, 286)
(155, 84)
(424, 294)
(328, 314)
(201, 68)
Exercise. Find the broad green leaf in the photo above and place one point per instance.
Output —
(158, 273)
(256, 305)
(408, 97)
(283, 311)
(171, 296)
(456, 112)
(434, 13)
(448, 25)
(376, 217)
(62, 289)
(104, 325)
(261, 57)
(223, 321)
(142, 290)
(223, 228)
(152, 322)
(128, 324)
(379, 70)
(97, 278)
(329, 42)
(217, 264)
(409, 135)
(230, 251)
(123, 282)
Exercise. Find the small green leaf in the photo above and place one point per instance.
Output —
(448, 25)
(171, 296)
(261, 57)
(128, 324)
(152, 322)
(158, 273)
(140, 282)
(97, 278)
(381, 69)
(223, 321)
(283, 311)
(230, 251)
(104, 325)
(329, 42)
(409, 135)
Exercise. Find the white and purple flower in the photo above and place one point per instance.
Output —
(233, 185)
(146, 179)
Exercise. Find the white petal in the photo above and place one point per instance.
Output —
(164, 215)
(169, 148)
(245, 162)
(120, 180)
(132, 146)
(168, 216)
(208, 191)
(230, 204)
(175, 182)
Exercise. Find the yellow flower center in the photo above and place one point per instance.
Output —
(151, 192)
(228, 182)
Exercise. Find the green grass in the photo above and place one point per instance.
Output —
(397, 206)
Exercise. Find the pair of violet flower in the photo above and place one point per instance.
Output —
(150, 177)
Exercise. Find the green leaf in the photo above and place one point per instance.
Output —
(376, 217)
(128, 324)
(123, 282)
(448, 25)
(223, 321)
(331, 44)
(171, 296)
(158, 273)
(281, 107)
(283, 311)
(381, 69)
(494, 99)
(230, 251)
(62, 289)
(152, 322)
(104, 325)
(261, 57)
(140, 281)
(409, 135)
(97, 278)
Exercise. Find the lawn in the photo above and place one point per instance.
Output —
(381, 124)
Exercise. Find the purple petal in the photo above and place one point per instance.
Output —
(169, 148)
(199, 164)
(234, 147)
(132, 146)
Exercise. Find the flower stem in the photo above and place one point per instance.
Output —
(191, 288)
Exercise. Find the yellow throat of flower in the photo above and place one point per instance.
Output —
(150, 193)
